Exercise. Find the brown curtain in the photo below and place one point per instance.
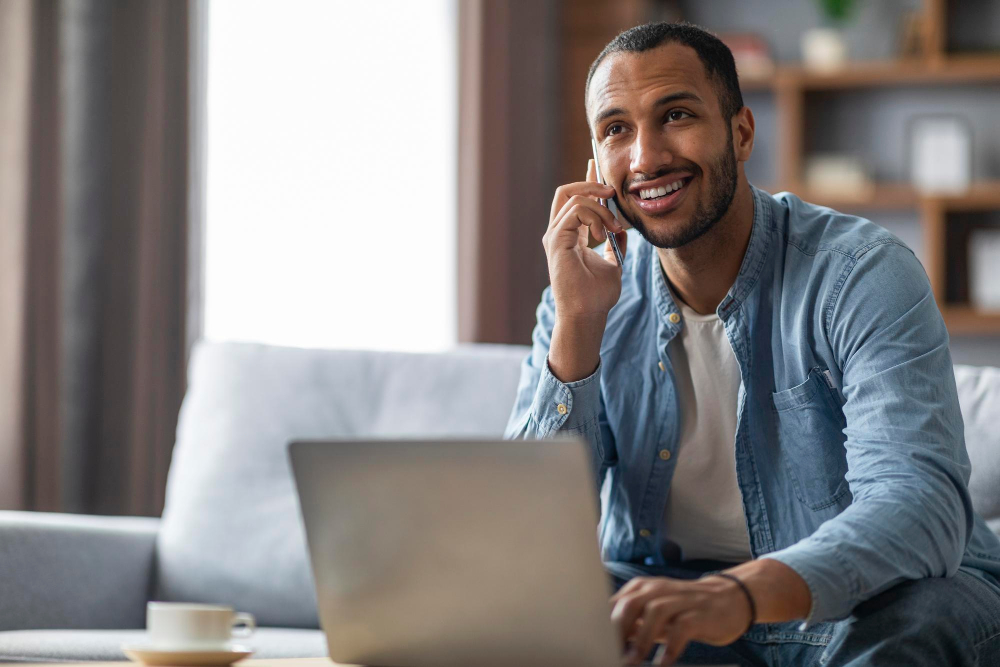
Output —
(508, 143)
(522, 133)
(99, 247)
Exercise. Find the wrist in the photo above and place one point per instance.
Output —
(738, 592)
(779, 593)
(575, 350)
(584, 326)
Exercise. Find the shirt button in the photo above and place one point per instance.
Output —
(675, 318)
(662, 367)
(665, 454)
(561, 408)
(644, 533)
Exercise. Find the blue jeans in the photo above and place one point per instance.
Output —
(935, 622)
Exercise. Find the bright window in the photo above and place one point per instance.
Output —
(331, 169)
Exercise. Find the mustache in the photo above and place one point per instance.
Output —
(639, 180)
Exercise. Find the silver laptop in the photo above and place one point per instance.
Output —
(471, 553)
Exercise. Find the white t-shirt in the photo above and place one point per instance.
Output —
(704, 514)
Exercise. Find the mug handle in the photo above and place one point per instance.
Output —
(247, 621)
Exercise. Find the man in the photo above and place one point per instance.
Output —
(766, 388)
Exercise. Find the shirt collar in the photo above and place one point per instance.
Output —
(754, 258)
(753, 263)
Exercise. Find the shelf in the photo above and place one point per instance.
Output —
(968, 320)
(983, 196)
(753, 85)
(887, 196)
(980, 197)
(952, 70)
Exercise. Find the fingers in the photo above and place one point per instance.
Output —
(583, 189)
(611, 222)
(571, 228)
(630, 604)
(631, 586)
(665, 620)
(648, 610)
(579, 214)
(627, 611)
(656, 616)
(676, 635)
(592, 171)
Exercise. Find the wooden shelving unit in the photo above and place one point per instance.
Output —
(983, 196)
(954, 69)
(965, 320)
(791, 84)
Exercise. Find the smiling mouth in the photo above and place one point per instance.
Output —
(664, 198)
(663, 191)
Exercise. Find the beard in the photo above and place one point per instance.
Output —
(709, 210)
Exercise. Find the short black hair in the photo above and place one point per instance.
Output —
(714, 55)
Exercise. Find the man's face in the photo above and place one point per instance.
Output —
(657, 120)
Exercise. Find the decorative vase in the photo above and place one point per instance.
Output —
(824, 49)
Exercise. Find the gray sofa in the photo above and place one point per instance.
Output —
(75, 587)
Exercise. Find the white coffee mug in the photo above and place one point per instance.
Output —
(189, 626)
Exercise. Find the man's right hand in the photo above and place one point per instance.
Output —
(585, 286)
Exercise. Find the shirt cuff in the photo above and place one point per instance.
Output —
(831, 581)
(566, 406)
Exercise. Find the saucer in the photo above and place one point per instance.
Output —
(155, 655)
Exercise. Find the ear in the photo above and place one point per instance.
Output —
(743, 129)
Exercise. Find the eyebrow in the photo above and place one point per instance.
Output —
(666, 99)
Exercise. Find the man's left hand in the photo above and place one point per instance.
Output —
(674, 612)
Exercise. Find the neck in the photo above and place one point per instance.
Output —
(702, 271)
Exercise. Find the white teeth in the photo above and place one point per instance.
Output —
(653, 193)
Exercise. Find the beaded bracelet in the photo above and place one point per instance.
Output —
(746, 591)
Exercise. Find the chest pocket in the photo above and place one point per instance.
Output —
(810, 429)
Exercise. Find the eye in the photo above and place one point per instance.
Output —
(672, 114)
(614, 128)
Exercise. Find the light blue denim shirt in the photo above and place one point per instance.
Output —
(850, 449)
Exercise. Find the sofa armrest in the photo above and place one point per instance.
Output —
(74, 571)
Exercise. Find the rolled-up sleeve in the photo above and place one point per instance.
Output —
(545, 406)
(908, 468)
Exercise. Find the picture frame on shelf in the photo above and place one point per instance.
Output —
(940, 153)
(984, 268)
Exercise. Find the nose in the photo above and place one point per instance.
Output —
(650, 152)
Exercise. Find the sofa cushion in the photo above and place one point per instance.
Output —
(105, 645)
(979, 395)
(231, 531)
(74, 571)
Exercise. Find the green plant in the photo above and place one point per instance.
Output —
(836, 10)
